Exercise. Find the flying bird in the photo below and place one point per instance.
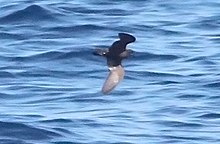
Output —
(114, 55)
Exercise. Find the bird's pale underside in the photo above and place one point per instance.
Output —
(115, 54)
(115, 75)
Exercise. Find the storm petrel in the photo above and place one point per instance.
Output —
(114, 55)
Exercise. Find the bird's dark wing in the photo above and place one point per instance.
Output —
(117, 48)
(120, 46)
(126, 38)
(100, 52)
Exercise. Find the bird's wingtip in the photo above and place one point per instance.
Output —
(127, 38)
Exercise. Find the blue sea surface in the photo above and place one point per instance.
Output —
(50, 87)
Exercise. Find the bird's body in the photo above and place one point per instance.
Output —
(116, 74)
(114, 55)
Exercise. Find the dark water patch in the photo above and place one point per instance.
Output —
(196, 75)
(23, 131)
(203, 60)
(44, 56)
(5, 74)
(137, 100)
(44, 101)
(167, 32)
(120, 28)
(13, 141)
(172, 110)
(108, 142)
(54, 55)
(207, 23)
(144, 75)
(33, 116)
(116, 116)
(8, 6)
(214, 38)
(191, 96)
(67, 142)
(167, 82)
(158, 30)
(181, 43)
(96, 124)
(90, 100)
(198, 58)
(38, 73)
(210, 116)
(129, 75)
(4, 96)
(208, 63)
(161, 74)
(123, 92)
(120, 1)
(213, 84)
(136, 135)
(103, 3)
(53, 89)
(211, 4)
(49, 36)
(79, 9)
(78, 29)
(171, 23)
(12, 36)
(4, 58)
(214, 97)
(152, 56)
(119, 142)
(78, 123)
(180, 124)
(60, 120)
(147, 28)
(77, 57)
(193, 45)
(184, 138)
(82, 53)
(34, 13)
(86, 10)
(171, 141)
(117, 12)
(62, 130)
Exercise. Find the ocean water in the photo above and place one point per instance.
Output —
(50, 81)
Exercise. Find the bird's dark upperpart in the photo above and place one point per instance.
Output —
(117, 51)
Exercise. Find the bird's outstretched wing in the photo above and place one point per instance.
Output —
(115, 76)
(100, 52)
(119, 46)
(126, 38)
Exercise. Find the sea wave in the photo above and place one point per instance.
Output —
(34, 13)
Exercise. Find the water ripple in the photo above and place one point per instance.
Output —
(33, 13)
(23, 131)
